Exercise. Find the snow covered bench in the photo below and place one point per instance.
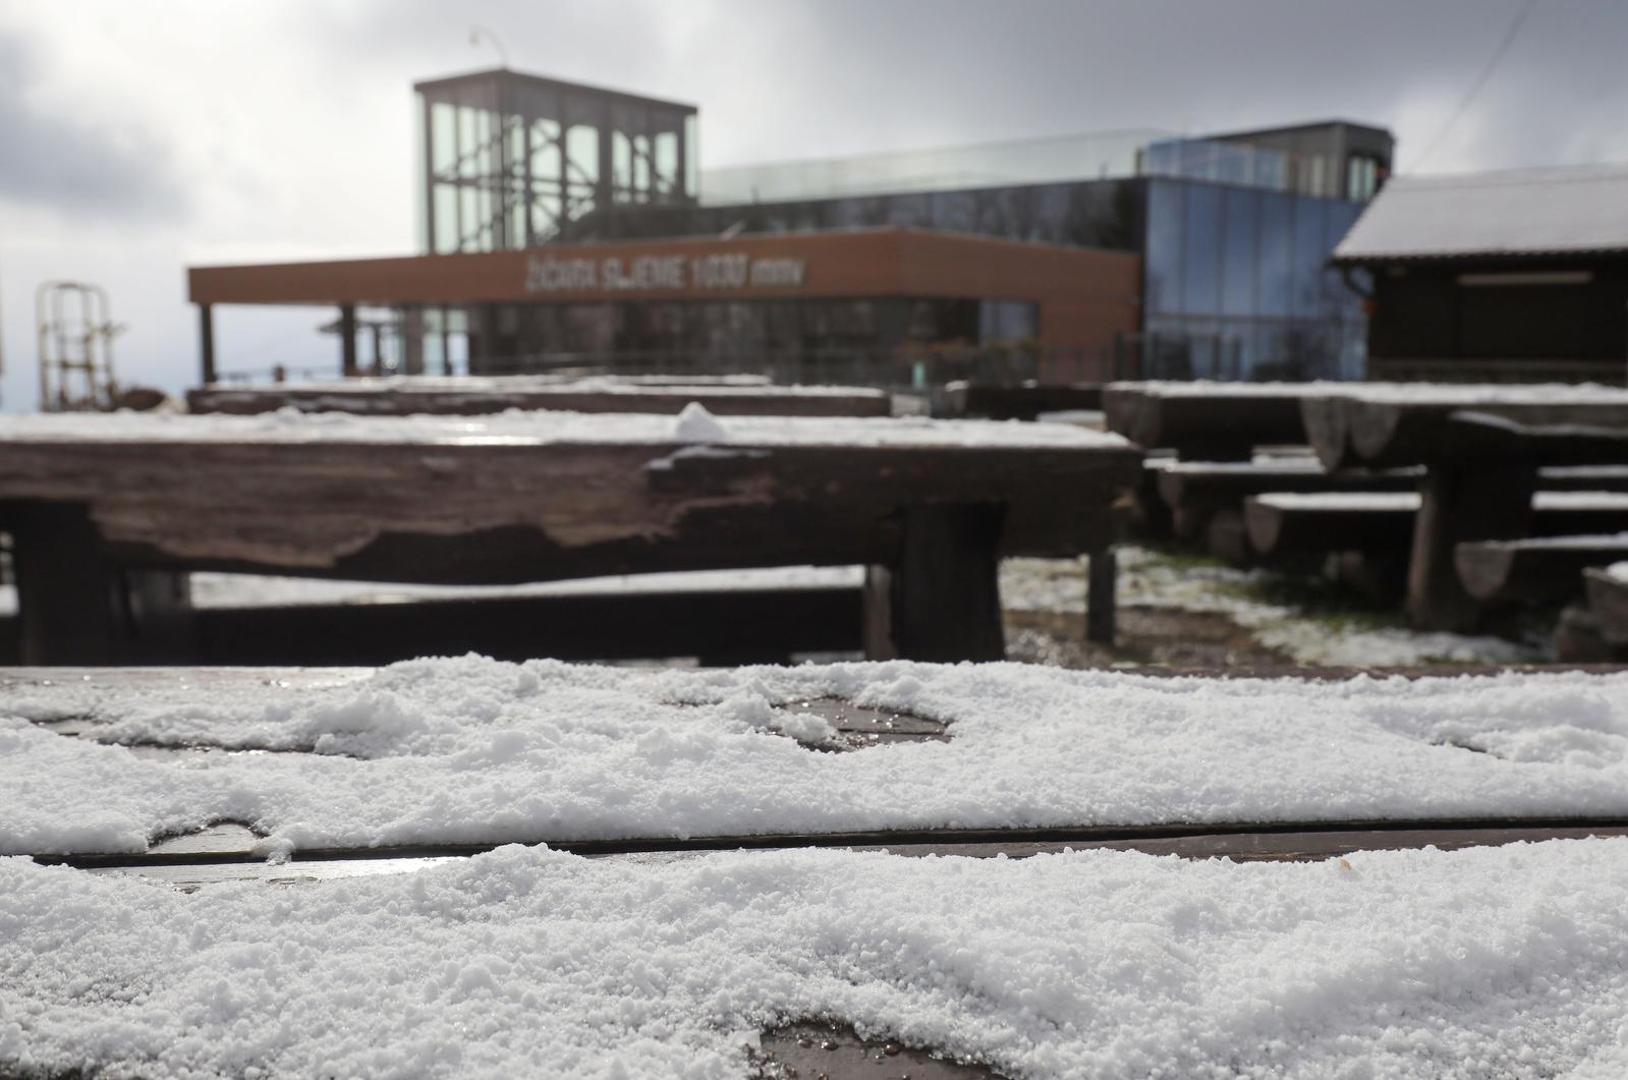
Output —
(679, 917)
(106, 512)
(480, 395)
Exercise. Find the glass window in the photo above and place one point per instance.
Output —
(1162, 263)
(1201, 256)
(1238, 245)
(1274, 273)
(1310, 253)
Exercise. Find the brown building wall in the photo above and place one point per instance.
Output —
(1084, 297)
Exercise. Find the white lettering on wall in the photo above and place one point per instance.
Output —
(614, 273)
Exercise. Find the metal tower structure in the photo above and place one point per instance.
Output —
(513, 160)
(76, 335)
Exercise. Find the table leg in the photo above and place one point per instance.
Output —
(76, 607)
(1101, 600)
(940, 598)
(1490, 502)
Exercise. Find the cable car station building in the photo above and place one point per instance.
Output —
(563, 225)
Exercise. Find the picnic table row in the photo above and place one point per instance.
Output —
(1465, 496)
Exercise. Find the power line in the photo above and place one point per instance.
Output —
(1510, 35)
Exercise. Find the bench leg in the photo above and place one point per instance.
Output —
(75, 607)
(1488, 503)
(940, 599)
(1101, 600)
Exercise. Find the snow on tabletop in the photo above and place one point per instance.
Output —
(476, 751)
(1171, 388)
(1618, 571)
(1573, 208)
(544, 427)
(1342, 501)
(1492, 962)
(748, 386)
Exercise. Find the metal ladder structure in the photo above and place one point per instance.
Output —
(76, 347)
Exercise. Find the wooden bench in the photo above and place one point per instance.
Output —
(1206, 499)
(108, 513)
(1385, 522)
(481, 395)
(1539, 570)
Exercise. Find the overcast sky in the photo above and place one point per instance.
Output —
(138, 137)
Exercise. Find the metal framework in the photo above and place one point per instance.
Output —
(514, 160)
(75, 332)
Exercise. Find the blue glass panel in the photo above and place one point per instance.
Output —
(1310, 252)
(1162, 264)
(1276, 239)
(1201, 256)
(1337, 221)
(1238, 245)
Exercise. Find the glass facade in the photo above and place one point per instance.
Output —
(860, 337)
(513, 160)
(1238, 285)
(1087, 213)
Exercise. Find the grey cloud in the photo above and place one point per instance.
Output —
(71, 164)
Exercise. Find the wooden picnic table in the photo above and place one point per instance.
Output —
(480, 395)
(107, 513)
(1483, 449)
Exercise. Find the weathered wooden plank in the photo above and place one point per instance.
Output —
(1534, 570)
(487, 396)
(498, 514)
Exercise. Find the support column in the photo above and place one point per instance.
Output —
(347, 339)
(206, 343)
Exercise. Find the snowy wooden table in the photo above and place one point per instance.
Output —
(1482, 447)
(293, 872)
(480, 395)
(106, 511)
